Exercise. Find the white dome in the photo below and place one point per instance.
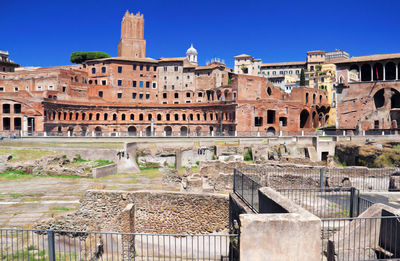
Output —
(191, 50)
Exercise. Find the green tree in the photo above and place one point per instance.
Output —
(302, 78)
(80, 57)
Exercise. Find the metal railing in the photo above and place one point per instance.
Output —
(361, 238)
(30, 244)
(371, 179)
(247, 189)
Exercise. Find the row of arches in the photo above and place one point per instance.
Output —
(315, 119)
(146, 130)
(77, 116)
(377, 71)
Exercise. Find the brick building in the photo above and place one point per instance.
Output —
(134, 95)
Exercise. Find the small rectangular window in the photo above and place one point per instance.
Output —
(119, 69)
(134, 67)
(188, 94)
(39, 88)
(147, 84)
(164, 95)
(93, 70)
(155, 68)
(141, 96)
(147, 96)
(164, 102)
(16, 89)
(100, 94)
(147, 67)
(134, 84)
(176, 68)
(133, 95)
(51, 87)
(176, 95)
(200, 94)
(141, 67)
(141, 84)
(154, 85)
(165, 68)
(119, 82)
(258, 121)
(119, 95)
(103, 69)
(103, 82)
(1, 89)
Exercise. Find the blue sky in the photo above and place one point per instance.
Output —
(44, 33)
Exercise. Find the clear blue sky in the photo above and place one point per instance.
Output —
(44, 33)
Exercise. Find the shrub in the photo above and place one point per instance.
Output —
(248, 155)
(80, 57)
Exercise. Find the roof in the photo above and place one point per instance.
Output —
(130, 59)
(368, 58)
(209, 67)
(242, 56)
(282, 64)
(316, 51)
(173, 59)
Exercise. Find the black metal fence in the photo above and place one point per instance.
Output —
(364, 179)
(246, 188)
(30, 244)
(361, 238)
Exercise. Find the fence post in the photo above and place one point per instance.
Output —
(50, 239)
(321, 178)
(353, 202)
(234, 180)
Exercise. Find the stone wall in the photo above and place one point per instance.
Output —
(104, 171)
(154, 212)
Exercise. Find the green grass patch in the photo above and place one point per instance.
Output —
(19, 174)
(26, 154)
(100, 163)
(16, 195)
(61, 208)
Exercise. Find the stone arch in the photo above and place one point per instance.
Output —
(148, 131)
(379, 98)
(184, 131)
(198, 131)
(132, 131)
(366, 73)
(168, 131)
(98, 131)
(304, 119)
(271, 131)
(378, 72)
(390, 71)
(395, 99)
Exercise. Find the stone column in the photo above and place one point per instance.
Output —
(178, 159)
(372, 73)
(359, 71)
(384, 72)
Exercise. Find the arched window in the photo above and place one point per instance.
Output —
(65, 115)
(76, 116)
(198, 116)
(97, 116)
(123, 117)
(114, 117)
(83, 116)
(191, 117)
(140, 117)
(176, 117)
(167, 117)
(90, 116)
(149, 117)
(132, 117)
(105, 116)
(159, 117)
(184, 117)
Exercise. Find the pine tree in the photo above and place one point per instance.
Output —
(302, 78)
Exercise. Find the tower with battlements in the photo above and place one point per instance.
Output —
(132, 44)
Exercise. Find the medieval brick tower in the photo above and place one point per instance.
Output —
(132, 44)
